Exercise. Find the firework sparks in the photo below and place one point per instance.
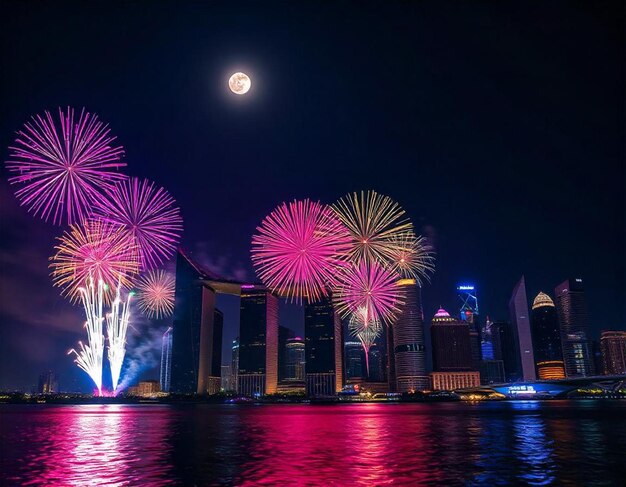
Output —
(149, 213)
(155, 294)
(375, 222)
(297, 250)
(61, 168)
(117, 325)
(370, 287)
(89, 357)
(412, 257)
(93, 248)
(365, 330)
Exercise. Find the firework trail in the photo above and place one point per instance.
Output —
(117, 326)
(365, 330)
(412, 257)
(375, 223)
(61, 168)
(371, 287)
(298, 248)
(148, 213)
(93, 249)
(155, 294)
(89, 357)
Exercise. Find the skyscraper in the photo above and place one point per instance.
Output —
(295, 359)
(284, 334)
(193, 330)
(355, 360)
(452, 353)
(571, 308)
(409, 351)
(546, 339)
(468, 295)
(323, 334)
(227, 378)
(166, 360)
(518, 309)
(258, 342)
(613, 346)
(505, 348)
(48, 383)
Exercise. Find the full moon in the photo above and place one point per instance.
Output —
(239, 83)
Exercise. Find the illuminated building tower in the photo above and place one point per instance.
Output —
(505, 348)
(234, 363)
(468, 296)
(518, 309)
(571, 308)
(193, 331)
(295, 359)
(323, 348)
(408, 335)
(355, 360)
(546, 339)
(258, 342)
(452, 353)
(48, 383)
(613, 347)
(166, 360)
(486, 341)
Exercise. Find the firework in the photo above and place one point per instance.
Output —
(370, 287)
(375, 222)
(412, 257)
(298, 248)
(93, 248)
(149, 213)
(61, 168)
(89, 357)
(365, 330)
(117, 325)
(155, 294)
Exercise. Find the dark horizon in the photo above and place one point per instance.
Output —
(498, 129)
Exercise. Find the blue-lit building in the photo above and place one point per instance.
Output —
(166, 360)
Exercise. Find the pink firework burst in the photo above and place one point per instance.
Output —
(369, 289)
(156, 294)
(148, 213)
(298, 248)
(93, 249)
(62, 168)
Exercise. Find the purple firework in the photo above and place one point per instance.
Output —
(148, 213)
(62, 168)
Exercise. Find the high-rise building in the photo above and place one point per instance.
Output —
(227, 378)
(613, 347)
(571, 308)
(378, 361)
(492, 372)
(468, 294)
(48, 383)
(546, 339)
(323, 334)
(166, 360)
(284, 334)
(518, 309)
(258, 342)
(214, 382)
(505, 348)
(355, 360)
(408, 333)
(194, 330)
(452, 353)
(486, 340)
(295, 359)
(234, 364)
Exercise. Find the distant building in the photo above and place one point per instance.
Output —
(284, 334)
(48, 383)
(409, 350)
(378, 364)
(148, 388)
(505, 348)
(546, 339)
(518, 309)
(355, 360)
(234, 364)
(258, 342)
(295, 359)
(452, 353)
(613, 347)
(468, 294)
(486, 340)
(492, 372)
(227, 378)
(571, 307)
(166, 360)
(323, 334)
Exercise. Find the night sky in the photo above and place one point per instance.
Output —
(498, 127)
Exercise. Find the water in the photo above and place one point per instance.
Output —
(496, 443)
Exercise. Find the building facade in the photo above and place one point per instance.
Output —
(48, 383)
(409, 350)
(613, 347)
(323, 334)
(258, 342)
(546, 339)
(354, 360)
(295, 359)
(505, 348)
(571, 307)
(450, 381)
(165, 375)
(518, 309)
